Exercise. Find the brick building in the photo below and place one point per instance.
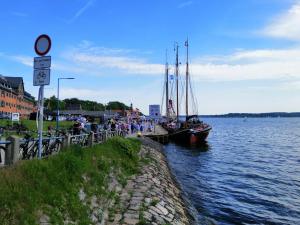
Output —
(14, 99)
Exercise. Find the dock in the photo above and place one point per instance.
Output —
(159, 134)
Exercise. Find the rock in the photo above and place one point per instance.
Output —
(94, 203)
(81, 195)
(44, 219)
(118, 217)
(130, 221)
(162, 209)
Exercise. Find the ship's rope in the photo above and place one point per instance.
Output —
(193, 98)
(163, 96)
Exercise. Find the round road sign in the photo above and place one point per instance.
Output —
(42, 44)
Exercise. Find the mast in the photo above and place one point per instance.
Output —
(187, 79)
(177, 78)
(167, 86)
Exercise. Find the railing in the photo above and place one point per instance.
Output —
(14, 148)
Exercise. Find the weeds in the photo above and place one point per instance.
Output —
(51, 185)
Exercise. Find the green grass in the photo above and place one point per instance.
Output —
(31, 124)
(52, 185)
(32, 127)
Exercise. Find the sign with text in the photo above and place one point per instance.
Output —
(15, 117)
(154, 111)
(42, 62)
(41, 77)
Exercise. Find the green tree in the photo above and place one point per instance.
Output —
(115, 105)
(51, 104)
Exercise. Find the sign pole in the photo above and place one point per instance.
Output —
(41, 77)
(41, 120)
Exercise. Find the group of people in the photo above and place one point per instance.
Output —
(124, 126)
(130, 126)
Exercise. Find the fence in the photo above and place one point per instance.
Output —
(14, 148)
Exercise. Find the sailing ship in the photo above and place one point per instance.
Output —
(191, 130)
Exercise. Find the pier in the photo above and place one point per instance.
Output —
(159, 134)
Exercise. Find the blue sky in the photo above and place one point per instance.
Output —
(244, 54)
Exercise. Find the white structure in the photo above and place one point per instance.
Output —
(154, 111)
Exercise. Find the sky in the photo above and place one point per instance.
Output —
(244, 55)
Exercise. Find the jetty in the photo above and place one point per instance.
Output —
(159, 134)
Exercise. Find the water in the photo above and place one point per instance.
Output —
(249, 173)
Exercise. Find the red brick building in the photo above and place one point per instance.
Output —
(14, 99)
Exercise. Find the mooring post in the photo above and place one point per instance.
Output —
(91, 139)
(13, 149)
(68, 140)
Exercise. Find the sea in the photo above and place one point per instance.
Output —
(247, 173)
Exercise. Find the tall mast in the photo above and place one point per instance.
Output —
(177, 78)
(187, 79)
(167, 86)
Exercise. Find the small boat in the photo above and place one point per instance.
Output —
(191, 130)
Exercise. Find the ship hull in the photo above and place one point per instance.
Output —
(190, 136)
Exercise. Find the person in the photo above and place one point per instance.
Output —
(49, 130)
(132, 127)
(76, 128)
(142, 127)
(113, 125)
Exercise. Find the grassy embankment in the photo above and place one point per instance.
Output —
(52, 185)
(32, 126)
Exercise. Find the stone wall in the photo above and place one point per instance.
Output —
(152, 196)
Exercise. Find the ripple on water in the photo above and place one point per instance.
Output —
(248, 173)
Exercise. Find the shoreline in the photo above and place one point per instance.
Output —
(153, 196)
(188, 207)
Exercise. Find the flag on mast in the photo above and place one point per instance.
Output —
(186, 43)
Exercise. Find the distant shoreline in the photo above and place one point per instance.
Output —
(254, 115)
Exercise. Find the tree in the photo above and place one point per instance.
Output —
(116, 106)
(51, 104)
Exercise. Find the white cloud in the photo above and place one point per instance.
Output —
(259, 64)
(19, 14)
(185, 4)
(285, 25)
(139, 95)
(81, 10)
(123, 61)
(25, 60)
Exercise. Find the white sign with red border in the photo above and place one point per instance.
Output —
(42, 45)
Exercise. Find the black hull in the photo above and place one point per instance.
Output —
(190, 136)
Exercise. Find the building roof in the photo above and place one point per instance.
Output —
(14, 82)
(87, 113)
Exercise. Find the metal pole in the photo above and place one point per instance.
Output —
(57, 112)
(177, 78)
(167, 86)
(41, 117)
(187, 80)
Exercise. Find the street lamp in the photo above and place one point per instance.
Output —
(57, 114)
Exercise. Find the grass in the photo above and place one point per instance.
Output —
(31, 124)
(51, 186)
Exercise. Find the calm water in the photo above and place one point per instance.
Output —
(248, 174)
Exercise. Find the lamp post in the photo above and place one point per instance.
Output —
(57, 114)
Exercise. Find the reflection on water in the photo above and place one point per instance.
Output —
(247, 173)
